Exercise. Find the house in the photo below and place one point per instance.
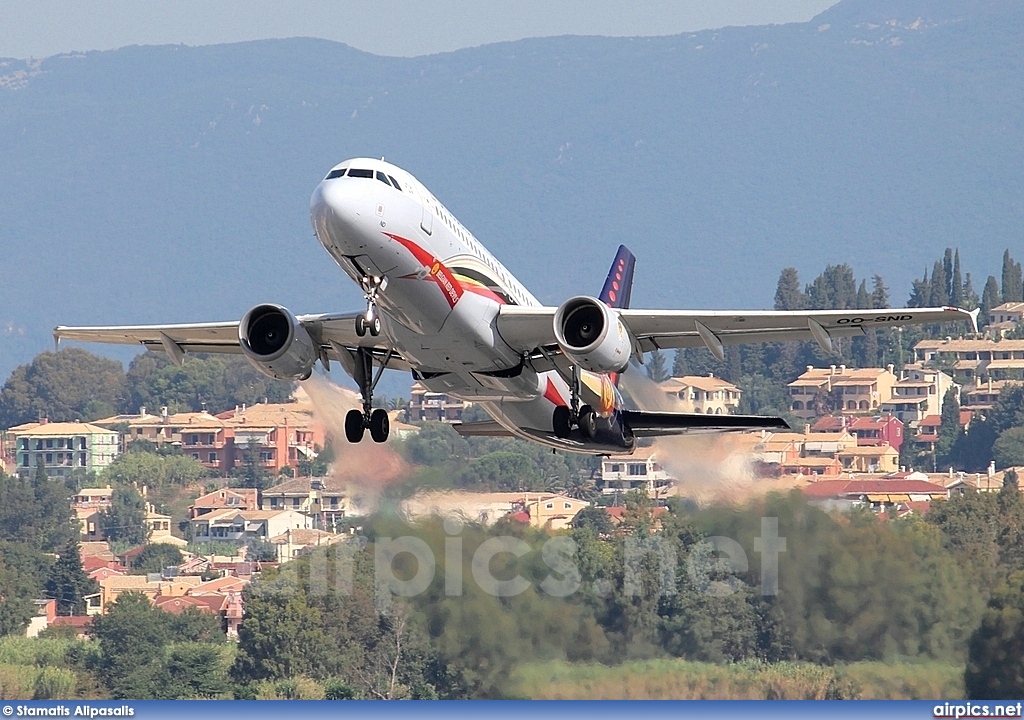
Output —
(973, 360)
(806, 453)
(879, 494)
(224, 499)
(293, 543)
(552, 511)
(243, 526)
(869, 459)
(842, 389)
(1004, 318)
(160, 528)
(62, 447)
(699, 394)
(919, 393)
(639, 471)
(927, 435)
(46, 611)
(93, 498)
(870, 431)
(983, 395)
(324, 498)
(427, 405)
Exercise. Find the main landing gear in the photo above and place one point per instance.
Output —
(576, 415)
(369, 418)
(369, 321)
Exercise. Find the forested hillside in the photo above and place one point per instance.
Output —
(172, 183)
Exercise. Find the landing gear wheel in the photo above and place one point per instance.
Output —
(379, 425)
(361, 325)
(374, 326)
(354, 426)
(562, 421)
(588, 421)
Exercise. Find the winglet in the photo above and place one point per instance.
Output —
(619, 284)
(56, 338)
(974, 319)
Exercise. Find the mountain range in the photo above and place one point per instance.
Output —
(171, 183)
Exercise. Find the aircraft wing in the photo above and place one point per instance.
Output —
(331, 333)
(529, 329)
(654, 424)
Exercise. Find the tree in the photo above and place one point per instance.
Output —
(216, 383)
(132, 637)
(594, 518)
(71, 384)
(155, 557)
(1008, 449)
(788, 295)
(995, 660)
(656, 367)
(195, 671)
(154, 469)
(1013, 282)
(949, 429)
(990, 298)
(67, 582)
(125, 519)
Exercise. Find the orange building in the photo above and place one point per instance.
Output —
(282, 433)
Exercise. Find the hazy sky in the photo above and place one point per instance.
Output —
(38, 28)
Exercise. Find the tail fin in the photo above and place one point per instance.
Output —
(619, 285)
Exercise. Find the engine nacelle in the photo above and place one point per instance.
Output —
(592, 336)
(276, 343)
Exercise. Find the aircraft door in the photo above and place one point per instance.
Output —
(427, 221)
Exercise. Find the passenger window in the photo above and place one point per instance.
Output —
(394, 182)
(360, 173)
(335, 173)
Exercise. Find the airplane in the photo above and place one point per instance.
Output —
(440, 305)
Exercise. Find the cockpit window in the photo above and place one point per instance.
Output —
(335, 173)
(394, 182)
(382, 177)
(360, 173)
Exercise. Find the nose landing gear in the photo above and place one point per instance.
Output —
(369, 321)
(369, 418)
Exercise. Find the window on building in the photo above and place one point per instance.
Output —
(195, 456)
(81, 459)
(296, 502)
(49, 443)
(550, 506)
(567, 506)
(193, 439)
(637, 469)
(49, 458)
(265, 456)
(24, 460)
(212, 457)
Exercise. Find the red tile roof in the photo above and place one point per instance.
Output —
(844, 488)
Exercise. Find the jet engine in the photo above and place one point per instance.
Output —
(276, 343)
(591, 335)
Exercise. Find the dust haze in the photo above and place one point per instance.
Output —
(709, 468)
(368, 466)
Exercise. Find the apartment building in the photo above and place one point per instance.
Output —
(324, 498)
(702, 394)
(974, 360)
(426, 405)
(639, 471)
(1004, 318)
(281, 434)
(852, 391)
(918, 394)
(62, 447)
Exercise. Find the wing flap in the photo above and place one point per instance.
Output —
(654, 424)
(484, 428)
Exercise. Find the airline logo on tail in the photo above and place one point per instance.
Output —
(619, 284)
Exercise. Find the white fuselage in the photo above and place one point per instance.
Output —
(443, 295)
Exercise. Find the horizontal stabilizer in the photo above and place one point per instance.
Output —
(484, 428)
(653, 424)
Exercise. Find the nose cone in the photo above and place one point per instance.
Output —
(336, 211)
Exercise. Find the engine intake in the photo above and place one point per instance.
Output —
(592, 335)
(276, 343)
